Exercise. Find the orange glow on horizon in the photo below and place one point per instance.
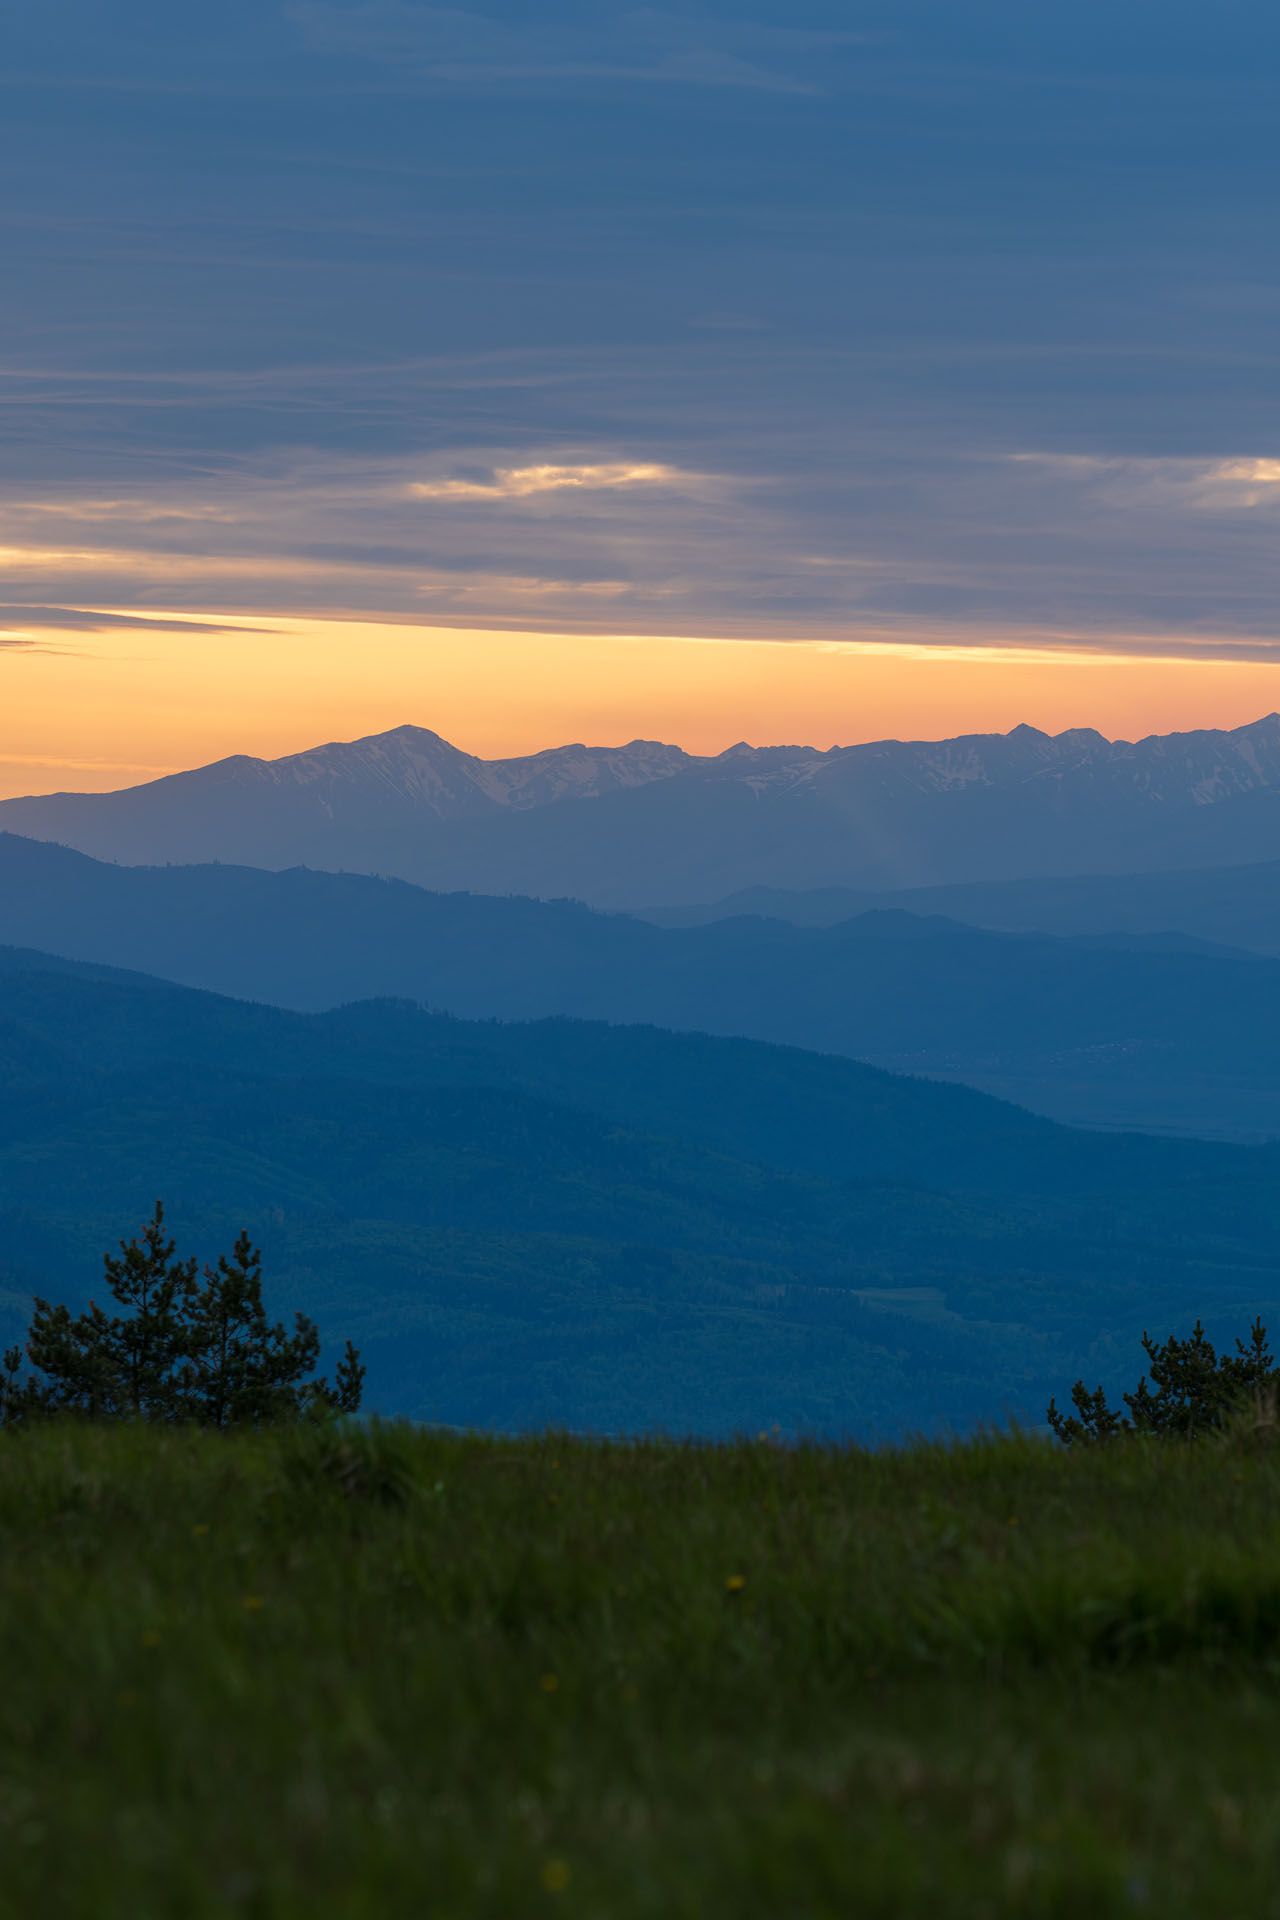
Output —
(93, 711)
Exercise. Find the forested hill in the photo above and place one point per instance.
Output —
(615, 1228)
(782, 1106)
(1173, 1038)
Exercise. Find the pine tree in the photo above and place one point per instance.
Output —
(1197, 1390)
(120, 1366)
(244, 1369)
(190, 1347)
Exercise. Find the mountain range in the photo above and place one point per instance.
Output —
(1236, 906)
(1152, 1030)
(612, 1228)
(650, 825)
(704, 1167)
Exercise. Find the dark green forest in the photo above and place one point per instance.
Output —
(613, 1228)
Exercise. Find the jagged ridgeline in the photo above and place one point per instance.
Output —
(650, 825)
(613, 1228)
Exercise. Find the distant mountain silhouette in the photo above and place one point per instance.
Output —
(1236, 906)
(1152, 1031)
(616, 1228)
(648, 823)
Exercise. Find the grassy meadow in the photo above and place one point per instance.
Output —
(405, 1672)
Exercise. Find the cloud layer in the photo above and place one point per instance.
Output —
(852, 320)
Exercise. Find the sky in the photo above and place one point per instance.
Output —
(547, 372)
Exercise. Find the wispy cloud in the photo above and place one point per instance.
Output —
(917, 540)
(1232, 484)
(24, 643)
(522, 483)
(1236, 484)
(16, 618)
(688, 497)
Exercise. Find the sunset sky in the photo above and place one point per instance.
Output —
(815, 372)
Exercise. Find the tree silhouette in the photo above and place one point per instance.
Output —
(190, 1347)
(1196, 1390)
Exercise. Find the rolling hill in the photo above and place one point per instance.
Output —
(1159, 1034)
(612, 1228)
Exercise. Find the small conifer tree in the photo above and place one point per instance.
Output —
(190, 1347)
(241, 1367)
(1196, 1391)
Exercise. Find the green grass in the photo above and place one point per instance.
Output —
(442, 1674)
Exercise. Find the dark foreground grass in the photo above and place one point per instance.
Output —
(423, 1674)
